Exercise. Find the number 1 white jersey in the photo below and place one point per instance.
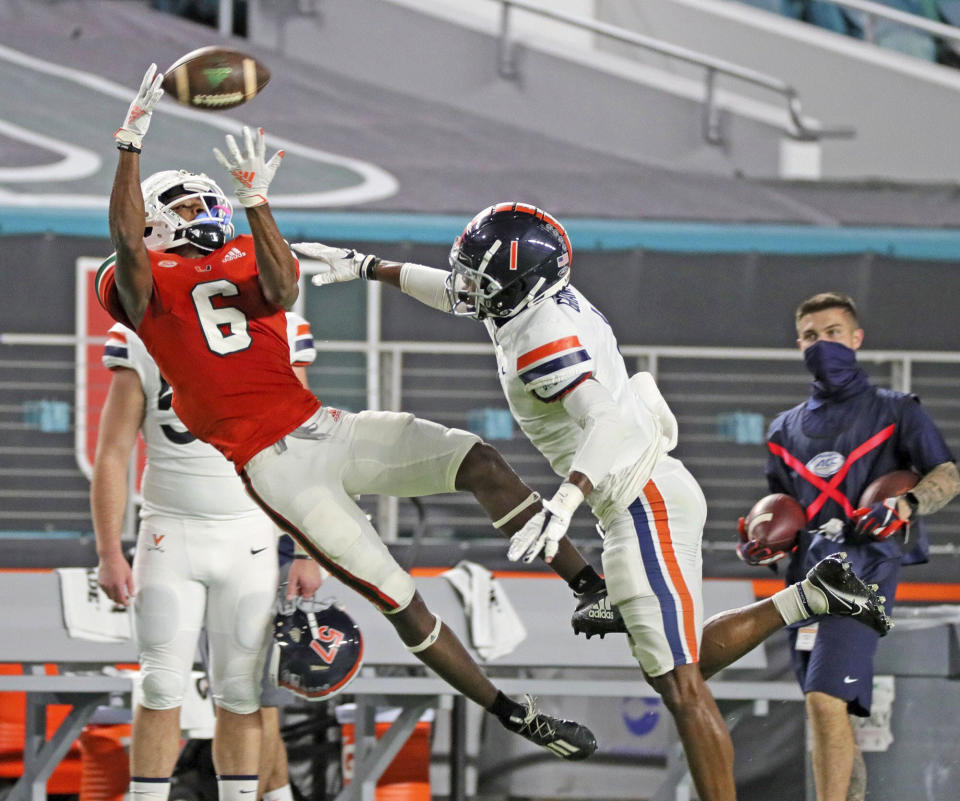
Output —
(184, 476)
(542, 354)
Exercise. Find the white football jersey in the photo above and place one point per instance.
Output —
(184, 476)
(543, 353)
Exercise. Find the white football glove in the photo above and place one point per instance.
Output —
(337, 264)
(546, 528)
(250, 171)
(130, 135)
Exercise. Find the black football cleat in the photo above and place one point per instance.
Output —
(596, 615)
(564, 738)
(847, 594)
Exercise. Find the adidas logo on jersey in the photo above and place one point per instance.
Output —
(234, 253)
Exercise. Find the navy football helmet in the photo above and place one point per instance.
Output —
(317, 648)
(509, 256)
(165, 229)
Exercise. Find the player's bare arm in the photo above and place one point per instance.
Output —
(935, 490)
(133, 274)
(275, 263)
(252, 174)
(119, 423)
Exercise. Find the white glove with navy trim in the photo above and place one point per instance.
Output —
(546, 528)
(337, 264)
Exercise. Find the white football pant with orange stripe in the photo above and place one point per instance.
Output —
(654, 568)
(306, 483)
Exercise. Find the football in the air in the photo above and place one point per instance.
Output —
(215, 78)
(774, 521)
(889, 486)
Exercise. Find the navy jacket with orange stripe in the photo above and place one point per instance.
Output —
(826, 451)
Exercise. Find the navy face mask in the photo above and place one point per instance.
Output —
(834, 369)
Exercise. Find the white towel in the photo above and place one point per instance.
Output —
(87, 612)
(495, 626)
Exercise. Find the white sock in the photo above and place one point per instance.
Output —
(143, 788)
(800, 601)
(237, 788)
(280, 794)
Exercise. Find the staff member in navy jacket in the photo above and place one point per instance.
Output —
(825, 452)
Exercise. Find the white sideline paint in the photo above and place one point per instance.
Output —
(77, 162)
(375, 182)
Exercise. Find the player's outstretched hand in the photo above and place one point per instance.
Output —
(546, 528)
(129, 136)
(337, 264)
(250, 170)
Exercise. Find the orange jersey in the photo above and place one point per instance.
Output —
(221, 346)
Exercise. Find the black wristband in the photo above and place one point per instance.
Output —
(587, 580)
(369, 271)
(129, 147)
(913, 502)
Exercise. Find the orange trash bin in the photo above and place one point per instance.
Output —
(407, 777)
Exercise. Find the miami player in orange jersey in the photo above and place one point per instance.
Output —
(209, 308)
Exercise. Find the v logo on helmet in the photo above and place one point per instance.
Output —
(325, 634)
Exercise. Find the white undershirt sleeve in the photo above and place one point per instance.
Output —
(426, 284)
(613, 437)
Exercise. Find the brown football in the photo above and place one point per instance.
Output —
(215, 78)
(774, 521)
(888, 486)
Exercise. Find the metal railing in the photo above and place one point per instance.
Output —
(801, 129)
(42, 487)
(873, 10)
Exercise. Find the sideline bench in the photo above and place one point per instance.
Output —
(32, 633)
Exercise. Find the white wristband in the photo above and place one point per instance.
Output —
(567, 499)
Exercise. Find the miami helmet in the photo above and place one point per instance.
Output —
(165, 229)
(509, 256)
(317, 648)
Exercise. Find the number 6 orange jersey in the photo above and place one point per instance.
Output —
(222, 347)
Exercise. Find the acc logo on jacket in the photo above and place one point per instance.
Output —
(826, 464)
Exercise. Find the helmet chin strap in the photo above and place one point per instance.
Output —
(208, 236)
(521, 305)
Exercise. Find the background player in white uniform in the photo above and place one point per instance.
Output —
(608, 436)
(205, 557)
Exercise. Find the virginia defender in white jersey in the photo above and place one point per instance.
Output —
(205, 558)
(544, 353)
(607, 435)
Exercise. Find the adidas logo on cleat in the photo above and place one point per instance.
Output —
(562, 748)
(565, 738)
(596, 615)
